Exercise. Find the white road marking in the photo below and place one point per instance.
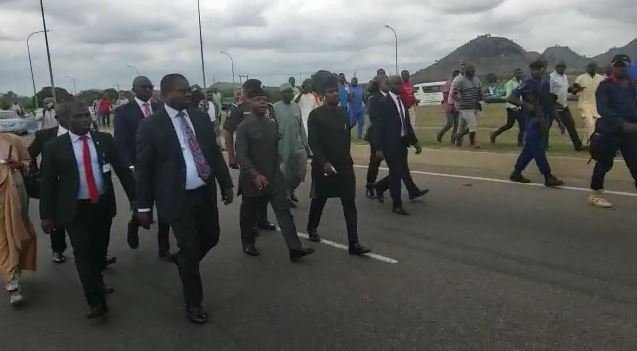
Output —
(345, 248)
(506, 181)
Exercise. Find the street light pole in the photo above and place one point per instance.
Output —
(203, 68)
(35, 99)
(231, 62)
(48, 53)
(74, 85)
(396, 37)
(134, 68)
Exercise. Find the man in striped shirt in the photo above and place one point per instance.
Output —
(467, 94)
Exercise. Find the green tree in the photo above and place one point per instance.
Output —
(112, 94)
(60, 93)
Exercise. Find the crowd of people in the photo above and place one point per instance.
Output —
(168, 157)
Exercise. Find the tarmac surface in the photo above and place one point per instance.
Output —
(482, 264)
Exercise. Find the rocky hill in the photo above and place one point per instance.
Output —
(501, 56)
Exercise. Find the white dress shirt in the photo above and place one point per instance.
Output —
(141, 103)
(400, 106)
(212, 111)
(192, 177)
(559, 87)
(48, 119)
(62, 130)
(78, 149)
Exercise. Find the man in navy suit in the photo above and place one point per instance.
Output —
(126, 121)
(394, 134)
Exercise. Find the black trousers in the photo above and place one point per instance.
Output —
(513, 116)
(349, 210)
(58, 239)
(163, 234)
(569, 124)
(197, 231)
(398, 171)
(250, 209)
(90, 234)
(628, 148)
(374, 165)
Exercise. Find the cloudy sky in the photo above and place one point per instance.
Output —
(95, 40)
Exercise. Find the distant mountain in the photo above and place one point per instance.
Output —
(605, 58)
(501, 56)
(489, 54)
(573, 60)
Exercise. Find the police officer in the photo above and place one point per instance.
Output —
(538, 107)
(616, 130)
(230, 126)
(261, 180)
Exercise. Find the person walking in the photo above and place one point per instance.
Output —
(293, 147)
(448, 107)
(560, 88)
(467, 94)
(178, 166)
(261, 180)
(18, 248)
(105, 108)
(126, 123)
(538, 105)
(408, 96)
(307, 101)
(77, 192)
(513, 112)
(357, 107)
(48, 115)
(616, 129)
(585, 87)
(332, 164)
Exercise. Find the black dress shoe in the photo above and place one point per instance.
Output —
(97, 311)
(370, 193)
(266, 226)
(357, 249)
(295, 255)
(132, 237)
(294, 198)
(380, 194)
(400, 211)
(251, 251)
(314, 235)
(196, 315)
(106, 290)
(166, 257)
(110, 260)
(418, 194)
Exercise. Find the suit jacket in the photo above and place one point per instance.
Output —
(61, 181)
(375, 113)
(125, 125)
(388, 130)
(42, 138)
(160, 168)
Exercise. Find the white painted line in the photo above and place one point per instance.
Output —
(505, 181)
(346, 248)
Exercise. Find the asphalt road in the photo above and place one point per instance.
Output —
(481, 265)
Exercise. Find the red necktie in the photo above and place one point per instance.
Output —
(88, 170)
(146, 110)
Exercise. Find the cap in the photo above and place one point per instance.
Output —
(621, 58)
(284, 87)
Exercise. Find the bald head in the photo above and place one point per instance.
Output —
(394, 84)
(143, 88)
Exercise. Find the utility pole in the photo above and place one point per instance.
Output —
(48, 53)
(203, 69)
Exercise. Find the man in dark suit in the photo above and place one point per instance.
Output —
(77, 192)
(127, 118)
(394, 134)
(261, 180)
(42, 138)
(178, 165)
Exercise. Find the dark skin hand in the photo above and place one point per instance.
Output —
(47, 225)
(260, 182)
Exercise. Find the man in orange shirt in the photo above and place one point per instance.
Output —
(408, 97)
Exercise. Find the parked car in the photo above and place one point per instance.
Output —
(11, 122)
(429, 93)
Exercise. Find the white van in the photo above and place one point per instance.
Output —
(429, 93)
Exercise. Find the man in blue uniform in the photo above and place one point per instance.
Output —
(616, 130)
(357, 107)
(538, 107)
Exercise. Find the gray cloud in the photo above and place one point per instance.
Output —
(94, 40)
